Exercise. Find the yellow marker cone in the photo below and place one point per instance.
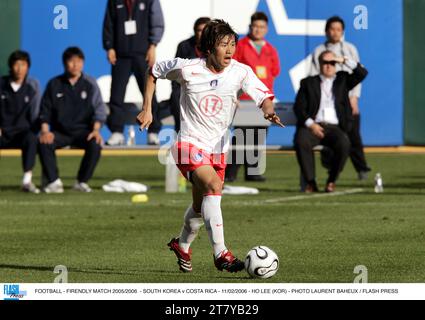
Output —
(138, 198)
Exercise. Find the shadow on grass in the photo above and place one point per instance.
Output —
(13, 187)
(105, 271)
(412, 185)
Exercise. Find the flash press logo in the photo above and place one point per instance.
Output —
(12, 292)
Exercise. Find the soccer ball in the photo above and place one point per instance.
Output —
(261, 262)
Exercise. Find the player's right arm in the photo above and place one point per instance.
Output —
(168, 69)
(145, 116)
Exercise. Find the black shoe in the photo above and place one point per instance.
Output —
(257, 178)
(362, 175)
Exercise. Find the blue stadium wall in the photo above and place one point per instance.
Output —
(380, 47)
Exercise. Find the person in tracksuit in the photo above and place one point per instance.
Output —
(72, 113)
(187, 49)
(19, 109)
(131, 31)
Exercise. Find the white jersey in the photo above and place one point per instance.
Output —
(208, 100)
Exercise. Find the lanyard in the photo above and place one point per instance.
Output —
(129, 4)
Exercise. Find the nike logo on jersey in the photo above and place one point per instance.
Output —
(59, 95)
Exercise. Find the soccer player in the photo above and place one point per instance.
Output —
(210, 89)
(187, 49)
(19, 109)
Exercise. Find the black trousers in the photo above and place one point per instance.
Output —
(335, 139)
(88, 163)
(26, 141)
(357, 155)
(250, 157)
(121, 73)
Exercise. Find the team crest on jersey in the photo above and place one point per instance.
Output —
(142, 6)
(27, 99)
(3, 96)
(197, 157)
(214, 83)
(83, 95)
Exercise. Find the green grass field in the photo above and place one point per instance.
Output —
(103, 237)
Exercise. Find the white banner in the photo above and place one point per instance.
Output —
(210, 291)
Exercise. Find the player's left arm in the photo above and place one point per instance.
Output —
(262, 96)
(269, 113)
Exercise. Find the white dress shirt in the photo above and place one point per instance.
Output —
(327, 111)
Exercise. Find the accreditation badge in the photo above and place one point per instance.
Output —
(130, 27)
(261, 72)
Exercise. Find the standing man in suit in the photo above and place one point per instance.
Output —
(324, 116)
(334, 33)
(131, 31)
(187, 49)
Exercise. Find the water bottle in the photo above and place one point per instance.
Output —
(131, 140)
(379, 185)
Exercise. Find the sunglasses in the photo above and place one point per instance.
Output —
(332, 62)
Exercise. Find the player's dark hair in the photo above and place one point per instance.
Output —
(259, 16)
(213, 33)
(19, 55)
(72, 52)
(323, 54)
(200, 21)
(333, 20)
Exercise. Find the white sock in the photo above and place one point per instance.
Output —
(211, 212)
(27, 178)
(192, 223)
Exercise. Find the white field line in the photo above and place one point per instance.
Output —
(124, 203)
(314, 196)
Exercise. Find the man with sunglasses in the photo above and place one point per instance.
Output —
(335, 42)
(324, 116)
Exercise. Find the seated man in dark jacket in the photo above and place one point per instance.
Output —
(19, 109)
(72, 113)
(324, 116)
